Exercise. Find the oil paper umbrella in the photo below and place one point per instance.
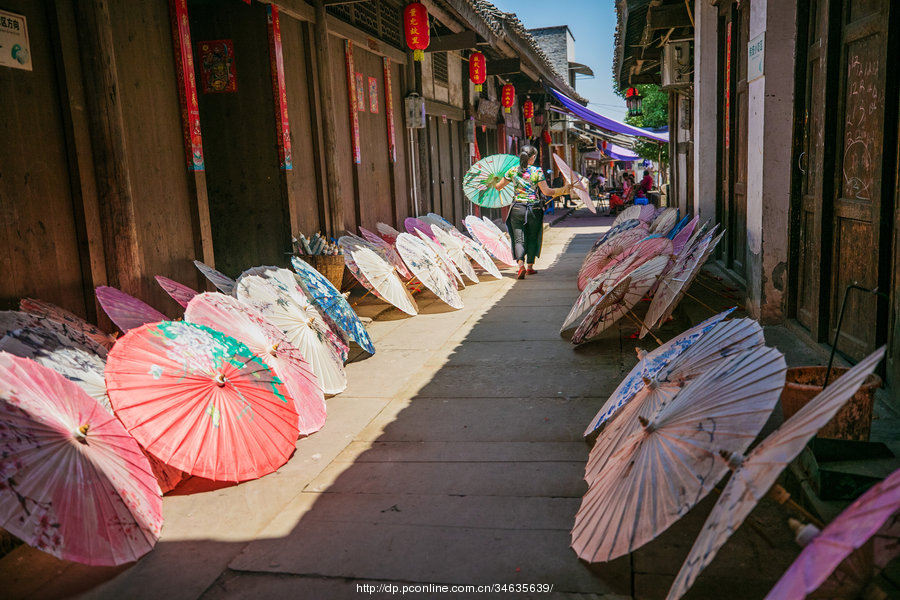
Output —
(69, 324)
(414, 225)
(616, 229)
(284, 279)
(444, 261)
(665, 221)
(492, 239)
(201, 401)
(388, 233)
(179, 292)
(70, 359)
(382, 276)
(422, 260)
(648, 213)
(619, 300)
(330, 301)
(597, 260)
(455, 252)
(126, 311)
(681, 238)
(479, 182)
(289, 310)
(75, 484)
(436, 219)
(632, 212)
(649, 365)
(855, 547)
(723, 340)
(754, 474)
(348, 245)
(476, 252)
(579, 183)
(223, 283)
(389, 251)
(640, 252)
(671, 462)
(245, 323)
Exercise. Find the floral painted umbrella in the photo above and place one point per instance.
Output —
(179, 292)
(243, 322)
(69, 324)
(422, 260)
(382, 276)
(126, 311)
(75, 484)
(579, 183)
(349, 244)
(201, 401)
(436, 219)
(331, 302)
(616, 229)
(479, 182)
(476, 252)
(725, 339)
(414, 226)
(639, 253)
(754, 474)
(455, 252)
(223, 283)
(614, 246)
(444, 261)
(492, 239)
(282, 303)
(649, 365)
(389, 251)
(70, 359)
(619, 300)
(665, 221)
(632, 212)
(672, 461)
(388, 233)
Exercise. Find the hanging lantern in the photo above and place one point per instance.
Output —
(547, 138)
(415, 22)
(528, 110)
(508, 97)
(633, 102)
(604, 143)
(528, 131)
(477, 70)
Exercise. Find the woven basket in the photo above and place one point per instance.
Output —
(331, 266)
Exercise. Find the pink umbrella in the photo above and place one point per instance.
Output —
(127, 312)
(179, 292)
(856, 546)
(681, 238)
(223, 283)
(389, 251)
(648, 213)
(74, 483)
(388, 233)
(580, 185)
(414, 225)
(245, 323)
(497, 244)
(597, 260)
(476, 252)
(69, 324)
(639, 253)
(753, 475)
(672, 461)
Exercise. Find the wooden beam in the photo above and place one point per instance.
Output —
(454, 41)
(668, 16)
(333, 2)
(506, 66)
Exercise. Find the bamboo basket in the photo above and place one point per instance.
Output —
(331, 266)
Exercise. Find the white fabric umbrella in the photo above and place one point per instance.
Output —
(422, 261)
(476, 252)
(455, 252)
(444, 259)
(382, 276)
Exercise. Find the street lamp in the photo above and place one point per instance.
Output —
(633, 101)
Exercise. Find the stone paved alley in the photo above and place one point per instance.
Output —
(454, 457)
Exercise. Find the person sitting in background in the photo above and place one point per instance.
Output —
(646, 183)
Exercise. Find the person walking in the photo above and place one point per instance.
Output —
(525, 221)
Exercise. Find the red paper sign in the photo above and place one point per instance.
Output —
(187, 87)
(373, 95)
(389, 111)
(279, 91)
(351, 90)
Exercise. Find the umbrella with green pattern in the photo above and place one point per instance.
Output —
(480, 179)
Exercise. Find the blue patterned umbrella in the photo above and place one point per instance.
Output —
(333, 303)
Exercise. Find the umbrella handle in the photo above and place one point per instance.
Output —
(783, 497)
(837, 332)
(638, 322)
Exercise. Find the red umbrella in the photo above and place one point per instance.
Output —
(127, 312)
(73, 483)
(201, 401)
(243, 322)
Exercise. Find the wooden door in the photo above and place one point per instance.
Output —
(39, 245)
(859, 135)
(810, 165)
(445, 172)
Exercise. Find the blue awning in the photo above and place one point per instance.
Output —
(619, 153)
(606, 123)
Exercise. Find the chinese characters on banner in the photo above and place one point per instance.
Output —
(360, 93)
(351, 88)
(389, 110)
(279, 92)
(187, 86)
(373, 95)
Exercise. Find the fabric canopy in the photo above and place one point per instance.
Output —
(605, 122)
(613, 152)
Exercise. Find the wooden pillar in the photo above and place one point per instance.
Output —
(114, 191)
(326, 92)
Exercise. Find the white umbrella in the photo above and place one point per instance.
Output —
(422, 261)
(382, 276)
(444, 259)
(476, 252)
(455, 252)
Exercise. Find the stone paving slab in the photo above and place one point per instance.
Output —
(461, 381)
(469, 452)
(543, 354)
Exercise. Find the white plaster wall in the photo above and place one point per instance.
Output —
(706, 102)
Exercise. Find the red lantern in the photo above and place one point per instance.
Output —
(415, 22)
(508, 97)
(604, 142)
(477, 69)
(547, 138)
(528, 110)
(528, 131)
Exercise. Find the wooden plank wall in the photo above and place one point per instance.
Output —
(374, 185)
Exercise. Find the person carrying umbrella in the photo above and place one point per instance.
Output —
(526, 216)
